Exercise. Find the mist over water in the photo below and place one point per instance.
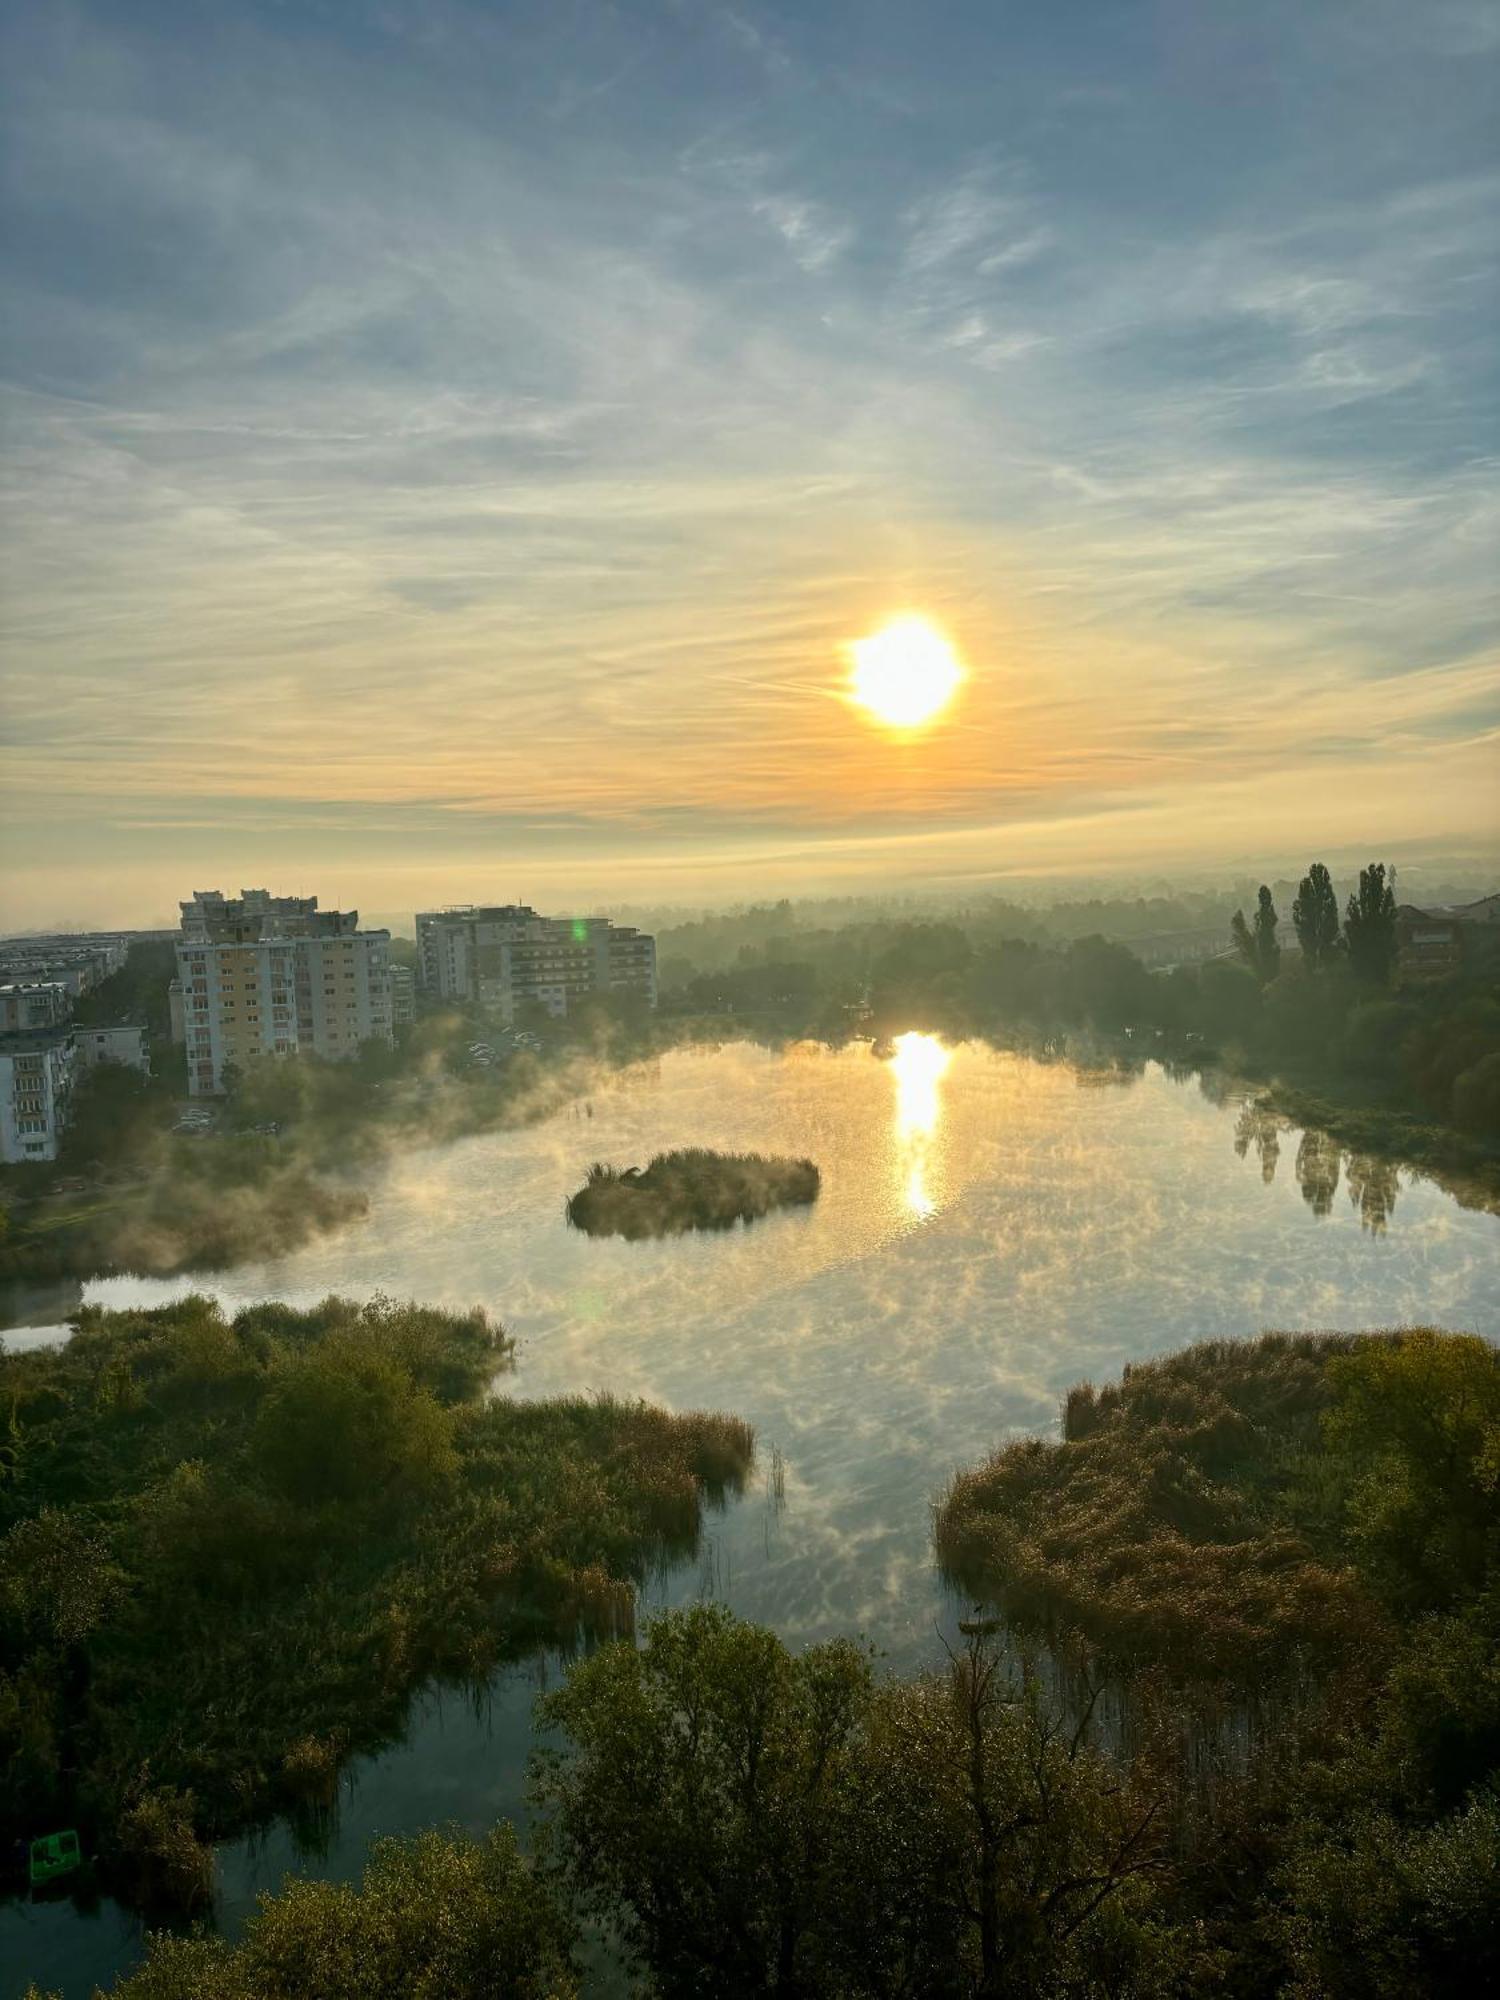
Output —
(990, 1229)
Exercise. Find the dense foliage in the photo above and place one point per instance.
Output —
(1298, 1539)
(135, 994)
(440, 1917)
(230, 1550)
(761, 1823)
(690, 1189)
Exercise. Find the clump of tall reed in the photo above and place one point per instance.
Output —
(1165, 1529)
(689, 1189)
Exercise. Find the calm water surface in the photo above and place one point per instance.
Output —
(990, 1229)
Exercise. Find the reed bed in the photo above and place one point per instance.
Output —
(689, 1189)
(232, 1549)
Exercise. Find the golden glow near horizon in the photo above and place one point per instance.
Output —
(905, 674)
(919, 1063)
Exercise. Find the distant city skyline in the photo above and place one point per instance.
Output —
(452, 448)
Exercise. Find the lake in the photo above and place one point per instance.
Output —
(991, 1228)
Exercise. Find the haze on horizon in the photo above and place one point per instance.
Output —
(450, 448)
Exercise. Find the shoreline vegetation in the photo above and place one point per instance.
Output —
(1266, 1761)
(234, 1549)
(1284, 1553)
(689, 1189)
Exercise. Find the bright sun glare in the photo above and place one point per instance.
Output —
(904, 673)
(919, 1063)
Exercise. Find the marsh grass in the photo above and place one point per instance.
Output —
(689, 1189)
(234, 1549)
(1178, 1525)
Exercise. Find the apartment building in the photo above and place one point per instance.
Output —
(41, 1003)
(1439, 943)
(262, 977)
(403, 996)
(211, 917)
(112, 1045)
(36, 1084)
(502, 956)
(77, 964)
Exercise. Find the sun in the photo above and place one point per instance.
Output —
(904, 674)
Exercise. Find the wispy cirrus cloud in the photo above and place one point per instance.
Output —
(522, 427)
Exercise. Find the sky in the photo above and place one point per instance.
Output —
(449, 448)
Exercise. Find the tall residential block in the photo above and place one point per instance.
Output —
(500, 956)
(403, 996)
(36, 1084)
(262, 977)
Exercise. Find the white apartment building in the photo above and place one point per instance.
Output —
(403, 996)
(36, 1084)
(501, 956)
(112, 1045)
(267, 977)
(77, 964)
(34, 1003)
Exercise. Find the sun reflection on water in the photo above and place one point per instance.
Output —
(918, 1064)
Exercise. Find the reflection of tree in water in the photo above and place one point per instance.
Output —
(1318, 1158)
(1373, 1185)
(1262, 1129)
(1116, 1071)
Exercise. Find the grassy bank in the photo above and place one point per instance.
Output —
(690, 1189)
(233, 1549)
(1464, 1164)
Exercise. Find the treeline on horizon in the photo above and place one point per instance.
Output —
(1326, 1014)
(1224, 1721)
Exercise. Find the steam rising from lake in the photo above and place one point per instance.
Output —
(990, 1229)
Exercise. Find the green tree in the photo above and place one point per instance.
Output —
(344, 1420)
(699, 1806)
(758, 1823)
(1374, 1035)
(1476, 1096)
(437, 1917)
(118, 1117)
(1370, 925)
(1415, 1431)
(136, 994)
(1257, 944)
(1315, 917)
(1381, 1911)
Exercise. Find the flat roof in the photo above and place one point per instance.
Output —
(28, 1041)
